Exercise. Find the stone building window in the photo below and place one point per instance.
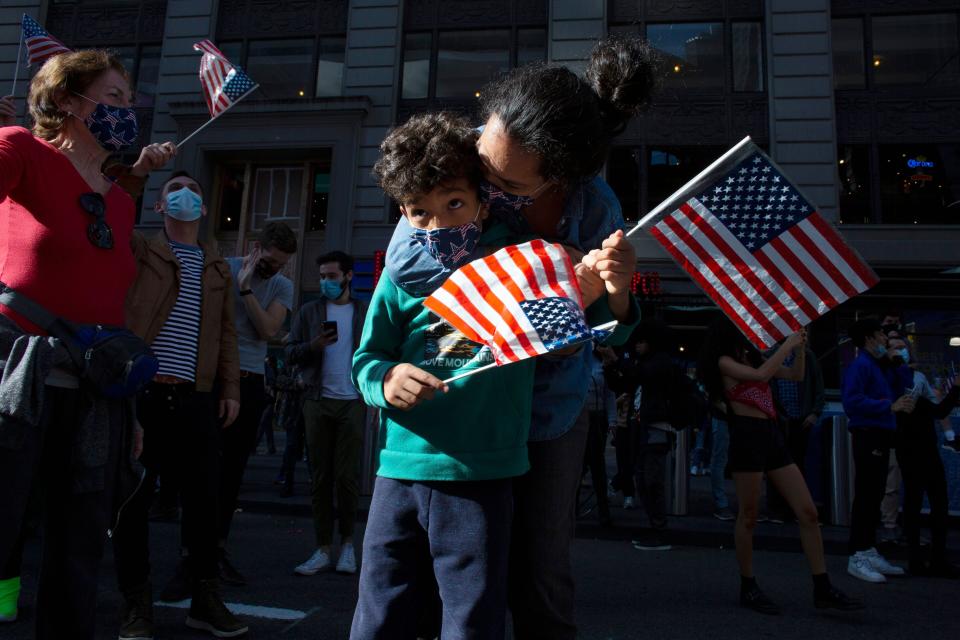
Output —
(292, 49)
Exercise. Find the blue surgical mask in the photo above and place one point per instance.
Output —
(881, 351)
(904, 355)
(331, 289)
(114, 127)
(184, 204)
(508, 207)
(450, 246)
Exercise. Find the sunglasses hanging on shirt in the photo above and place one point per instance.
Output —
(98, 232)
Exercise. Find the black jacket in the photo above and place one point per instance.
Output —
(660, 378)
(307, 325)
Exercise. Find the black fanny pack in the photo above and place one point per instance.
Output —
(113, 360)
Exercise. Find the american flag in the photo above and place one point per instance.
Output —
(223, 83)
(522, 301)
(759, 249)
(40, 44)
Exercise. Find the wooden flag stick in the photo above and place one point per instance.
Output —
(16, 67)
(700, 176)
(603, 327)
(210, 121)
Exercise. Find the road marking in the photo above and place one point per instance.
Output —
(240, 609)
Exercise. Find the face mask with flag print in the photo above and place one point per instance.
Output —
(507, 206)
(115, 128)
(450, 246)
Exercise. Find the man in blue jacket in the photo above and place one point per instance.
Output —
(868, 385)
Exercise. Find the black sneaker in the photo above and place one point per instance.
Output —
(652, 540)
(833, 598)
(753, 598)
(724, 515)
(228, 573)
(180, 585)
(208, 613)
(136, 616)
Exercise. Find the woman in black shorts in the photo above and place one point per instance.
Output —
(734, 372)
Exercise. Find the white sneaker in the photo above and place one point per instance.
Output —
(880, 564)
(347, 563)
(319, 561)
(859, 567)
(628, 503)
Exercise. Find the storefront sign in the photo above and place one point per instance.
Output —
(915, 163)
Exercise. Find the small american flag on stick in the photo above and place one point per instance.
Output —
(40, 44)
(757, 247)
(522, 301)
(223, 83)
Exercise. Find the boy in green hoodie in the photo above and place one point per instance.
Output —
(442, 502)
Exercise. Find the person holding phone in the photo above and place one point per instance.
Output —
(324, 335)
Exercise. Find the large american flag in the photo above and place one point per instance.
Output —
(759, 249)
(40, 44)
(223, 83)
(522, 301)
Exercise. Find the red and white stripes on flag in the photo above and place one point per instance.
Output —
(761, 252)
(488, 299)
(40, 44)
(223, 83)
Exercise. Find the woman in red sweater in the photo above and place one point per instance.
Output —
(65, 233)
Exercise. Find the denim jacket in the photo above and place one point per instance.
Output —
(591, 214)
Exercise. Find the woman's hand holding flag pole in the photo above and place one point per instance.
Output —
(522, 301)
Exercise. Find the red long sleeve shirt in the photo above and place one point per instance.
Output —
(44, 250)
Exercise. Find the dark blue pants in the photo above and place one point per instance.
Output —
(541, 578)
(457, 533)
(74, 523)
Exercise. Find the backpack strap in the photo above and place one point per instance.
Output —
(29, 309)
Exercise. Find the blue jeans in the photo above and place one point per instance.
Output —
(718, 461)
(425, 535)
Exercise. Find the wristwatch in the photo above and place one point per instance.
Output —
(246, 292)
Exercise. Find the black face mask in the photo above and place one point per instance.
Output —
(264, 271)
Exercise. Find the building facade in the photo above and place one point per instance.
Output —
(858, 101)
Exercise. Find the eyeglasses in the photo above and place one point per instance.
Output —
(98, 232)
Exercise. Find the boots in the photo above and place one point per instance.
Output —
(208, 613)
(136, 618)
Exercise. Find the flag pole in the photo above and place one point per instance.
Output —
(603, 327)
(711, 167)
(16, 67)
(210, 121)
(471, 372)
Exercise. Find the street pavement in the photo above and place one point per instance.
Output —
(622, 593)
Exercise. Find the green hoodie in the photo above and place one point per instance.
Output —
(476, 431)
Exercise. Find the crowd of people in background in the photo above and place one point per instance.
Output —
(473, 511)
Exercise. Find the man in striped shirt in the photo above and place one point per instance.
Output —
(182, 304)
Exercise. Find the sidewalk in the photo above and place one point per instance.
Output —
(696, 529)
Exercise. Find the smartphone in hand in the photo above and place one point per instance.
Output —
(329, 328)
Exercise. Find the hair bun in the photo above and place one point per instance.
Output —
(623, 71)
